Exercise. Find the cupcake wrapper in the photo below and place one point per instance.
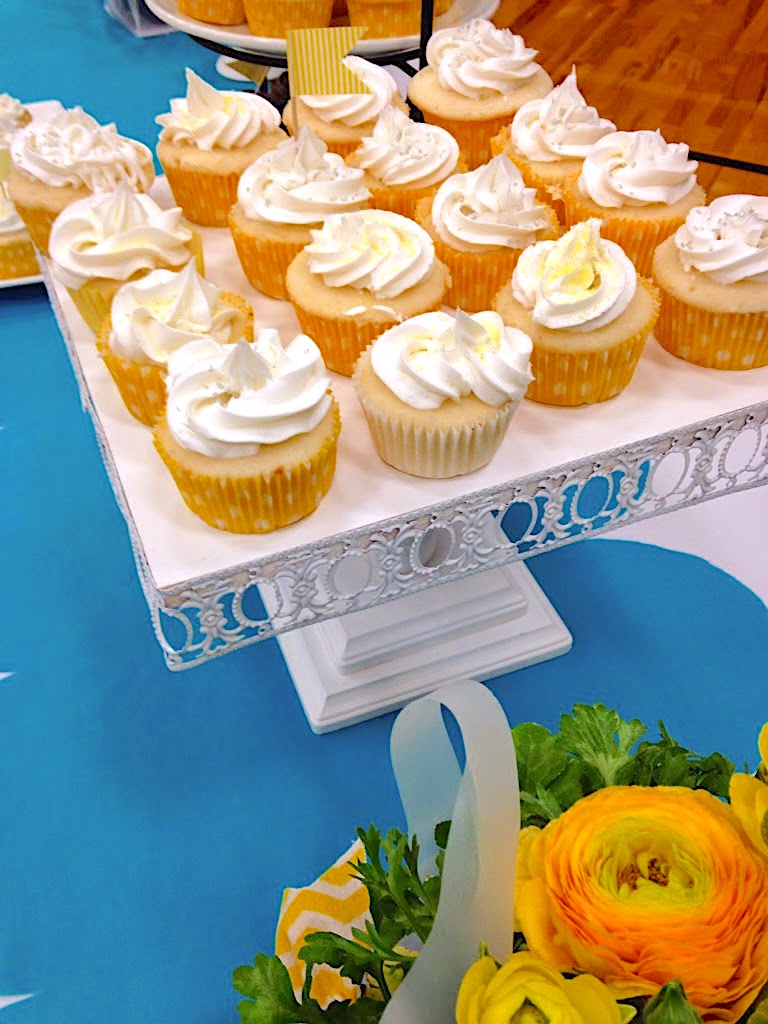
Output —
(341, 342)
(214, 12)
(38, 223)
(436, 454)
(141, 385)
(205, 198)
(721, 341)
(18, 259)
(265, 261)
(585, 378)
(273, 18)
(399, 200)
(385, 19)
(474, 137)
(257, 504)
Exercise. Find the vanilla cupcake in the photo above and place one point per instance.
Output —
(12, 117)
(67, 157)
(17, 254)
(480, 222)
(281, 197)
(250, 431)
(587, 311)
(106, 239)
(713, 276)
(438, 392)
(549, 138)
(405, 161)
(151, 318)
(207, 141)
(275, 18)
(363, 273)
(477, 77)
(640, 186)
(343, 121)
(213, 12)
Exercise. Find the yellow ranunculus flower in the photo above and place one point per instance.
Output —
(525, 991)
(643, 885)
(749, 798)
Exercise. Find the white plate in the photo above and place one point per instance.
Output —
(40, 111)
(240, 38)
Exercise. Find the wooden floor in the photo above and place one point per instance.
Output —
(696, 69)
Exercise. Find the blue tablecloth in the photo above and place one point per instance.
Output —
(149, 821)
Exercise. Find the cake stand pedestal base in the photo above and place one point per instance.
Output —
(365, 663)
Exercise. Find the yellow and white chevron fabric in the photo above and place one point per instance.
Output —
(315, 61)
(336, 902)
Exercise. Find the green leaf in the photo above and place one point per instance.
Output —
(601, 738)
(670, 1006)
(540, 758)
(270, 993)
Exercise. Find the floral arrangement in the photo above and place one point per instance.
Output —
(641, 893)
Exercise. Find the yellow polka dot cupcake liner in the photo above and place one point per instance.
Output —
(214, 12)
(265, 261)
(254, 504)
(18, 258)
(273, 18)
(38, 221)
(204, 196)
(586, 378)
(341, 342)
(384, 18)
(474, 137)
(721, 341)
(399, 200)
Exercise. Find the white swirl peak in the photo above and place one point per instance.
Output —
(354, 109)
(403, 152)
(154, 316)
(561, 126)
(115, 235)
(579, 282)
(72, 148)
(300, 182)
(434, 357)
(209, 118)
(373, 250)
(478, 60)
(11, 115)
(488, 208)
(636, 169)
(226, 401)
(727, 240)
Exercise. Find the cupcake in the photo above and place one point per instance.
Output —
(151, 318)
(640, 186)
(213, 12)
(99, 243)
(343, 121)
(713, 276)
(405, 161)
(480, 222)
(207, 141)
(438, 392)
(363, 273)
(549, 138)
(12, 117)
(65, 158)
(277, 17)
(17, 254)
(386, 18)
(587, 311)
(477, 77)
(250, 431)
(281, 197)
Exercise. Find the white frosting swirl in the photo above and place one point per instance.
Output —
(728, 240)
(354, 109)
(154, 316)
(10, 221)
(114, 235)
(488, 208)
(636, 169)
(226, 401)
(477, 60)
(403, 152)
(208, 118)
(578, 283)
(560, 126)
(11, 115)
(434, 357)
(300, 182)
(71, 148)
(374, 250)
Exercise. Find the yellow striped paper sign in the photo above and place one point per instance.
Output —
(315, 61)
